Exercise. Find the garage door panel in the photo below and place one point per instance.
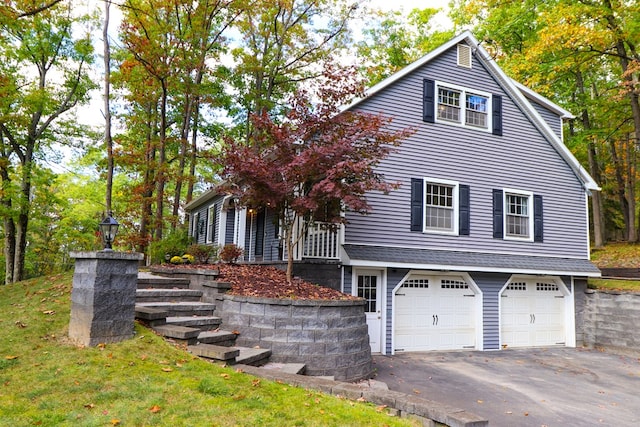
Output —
(532, 314)
(434, 314)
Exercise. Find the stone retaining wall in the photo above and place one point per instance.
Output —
(612, 320)
(330, 337)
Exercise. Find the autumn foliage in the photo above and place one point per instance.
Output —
(316, 156)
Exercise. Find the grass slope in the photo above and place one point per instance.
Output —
(144, 381)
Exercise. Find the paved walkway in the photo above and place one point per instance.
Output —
(554, 387)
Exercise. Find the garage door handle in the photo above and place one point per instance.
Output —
(435, 320)
(532, 318)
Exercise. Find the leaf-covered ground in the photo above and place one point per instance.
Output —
(268, 282)
(617, 255)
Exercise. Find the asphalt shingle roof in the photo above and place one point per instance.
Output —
(472, 261)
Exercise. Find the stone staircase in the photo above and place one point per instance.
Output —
(171, 309)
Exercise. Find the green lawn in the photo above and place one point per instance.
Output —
(145, 381)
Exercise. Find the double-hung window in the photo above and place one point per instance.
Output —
(517, 215)
(476, 110)
(449, 104)
(518, 218)
(440, 206)
(458, 105)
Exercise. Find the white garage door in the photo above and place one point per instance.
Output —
(533, 314)
(434, 313)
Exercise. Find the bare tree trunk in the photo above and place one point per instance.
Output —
(594, 168)
(194, 151)
(160, 171)
(631, 189)
(107, 107)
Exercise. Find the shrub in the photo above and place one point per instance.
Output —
(202, 253)
(187, 259)
(230, 253)
(174, 244)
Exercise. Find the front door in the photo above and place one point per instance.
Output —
(368, 286)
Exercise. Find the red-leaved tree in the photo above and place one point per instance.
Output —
(313, 157)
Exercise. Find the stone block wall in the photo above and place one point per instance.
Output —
(612, 320)
(330, 337)
(103, 297)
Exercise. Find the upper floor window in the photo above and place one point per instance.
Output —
(452, 100)
(449, 103)
(517, 215)
(439, 206)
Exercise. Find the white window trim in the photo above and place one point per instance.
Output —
(456, 204)
(210, 227)
(529, 196)
(463, 106)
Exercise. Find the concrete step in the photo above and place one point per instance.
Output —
(204, 323)
(167, 295)
(216, 352)
(287, 368)
(162, 283)
(252, 356)
(180, 309)
(150, 314)
(178, 332)
(220, 338)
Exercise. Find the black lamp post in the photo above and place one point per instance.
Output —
(108, 231)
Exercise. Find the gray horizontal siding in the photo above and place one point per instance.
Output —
(394, 276)
(271, 240)
(520, 159)
(552, 119)
(490, 285)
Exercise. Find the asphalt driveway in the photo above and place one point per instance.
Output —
(553, 387)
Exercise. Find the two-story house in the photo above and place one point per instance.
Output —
(484, 245)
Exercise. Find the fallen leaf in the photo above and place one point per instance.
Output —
(11, 357)
(225, 376)
(90, 405)
(49, 312)
(20, 324)
(115, 422)
(255, 382)
(361, 399)
(167, 369)
(155, 409)
(480, 401)
(526, 414)
(416, 391)
(381, 408)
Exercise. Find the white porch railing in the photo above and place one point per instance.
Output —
(322, 240)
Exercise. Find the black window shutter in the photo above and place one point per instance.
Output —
(464, 210)
(497, 214)
(497, 115)
(538, 228)
(429, 101)
(416, 204)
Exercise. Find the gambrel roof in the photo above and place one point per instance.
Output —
(517, 92)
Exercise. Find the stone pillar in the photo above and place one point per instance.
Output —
(103, 297)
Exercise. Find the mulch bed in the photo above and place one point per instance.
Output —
(267, 282)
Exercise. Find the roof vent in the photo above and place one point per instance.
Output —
(464, 55)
